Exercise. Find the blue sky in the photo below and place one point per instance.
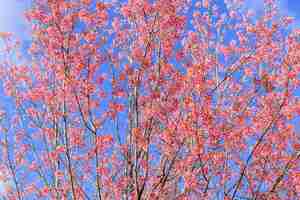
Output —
(11, 16)
(293, 7)
(287, 7)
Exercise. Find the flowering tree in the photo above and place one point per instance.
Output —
(140, 99)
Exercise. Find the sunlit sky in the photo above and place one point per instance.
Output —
(11, 16)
